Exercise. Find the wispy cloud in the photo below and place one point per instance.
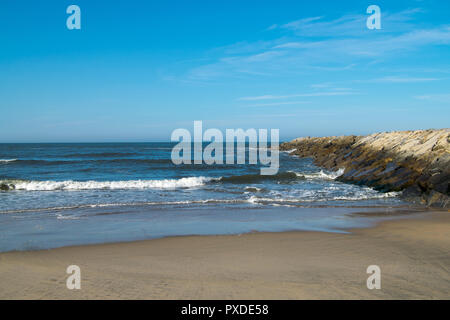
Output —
(315, 43)
(314, 94)
(435, 97)
(400, 80)
(272, 27)
(350, 25)
(277, 103)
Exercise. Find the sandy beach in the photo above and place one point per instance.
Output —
(413, 255)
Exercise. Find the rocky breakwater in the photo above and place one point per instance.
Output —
(415, 162)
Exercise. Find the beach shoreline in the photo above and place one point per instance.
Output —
(411, 252)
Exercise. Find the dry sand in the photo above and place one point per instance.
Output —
(413, 255)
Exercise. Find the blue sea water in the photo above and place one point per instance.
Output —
(68, 194)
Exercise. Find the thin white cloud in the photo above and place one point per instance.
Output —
(315, 43)
(351, 25)
(298, 45)
(318, 27)
(272, 27)
(401, 80)
(264, 56)
(435, 97)
(277, 104)
(320, 85)
(278, 97)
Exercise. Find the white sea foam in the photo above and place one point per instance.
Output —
(109, 185)
(322, 175)
(63, 217)
(369, 196)
(254, 199)
(276, 200)
(253, 189)
(289, 151)
(7, 160)
(366, 194)
(123, 204)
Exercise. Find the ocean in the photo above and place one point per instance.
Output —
(73, 194)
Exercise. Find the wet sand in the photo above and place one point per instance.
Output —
(413, 255)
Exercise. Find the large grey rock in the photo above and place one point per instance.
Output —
(416, 161)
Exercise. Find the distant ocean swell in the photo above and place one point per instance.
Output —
(84, 161)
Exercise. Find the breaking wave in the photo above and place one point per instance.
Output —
(109, 185)
(323, 175)
(282, 177)
(7, 160)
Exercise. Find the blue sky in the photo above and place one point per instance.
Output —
(139, 69)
